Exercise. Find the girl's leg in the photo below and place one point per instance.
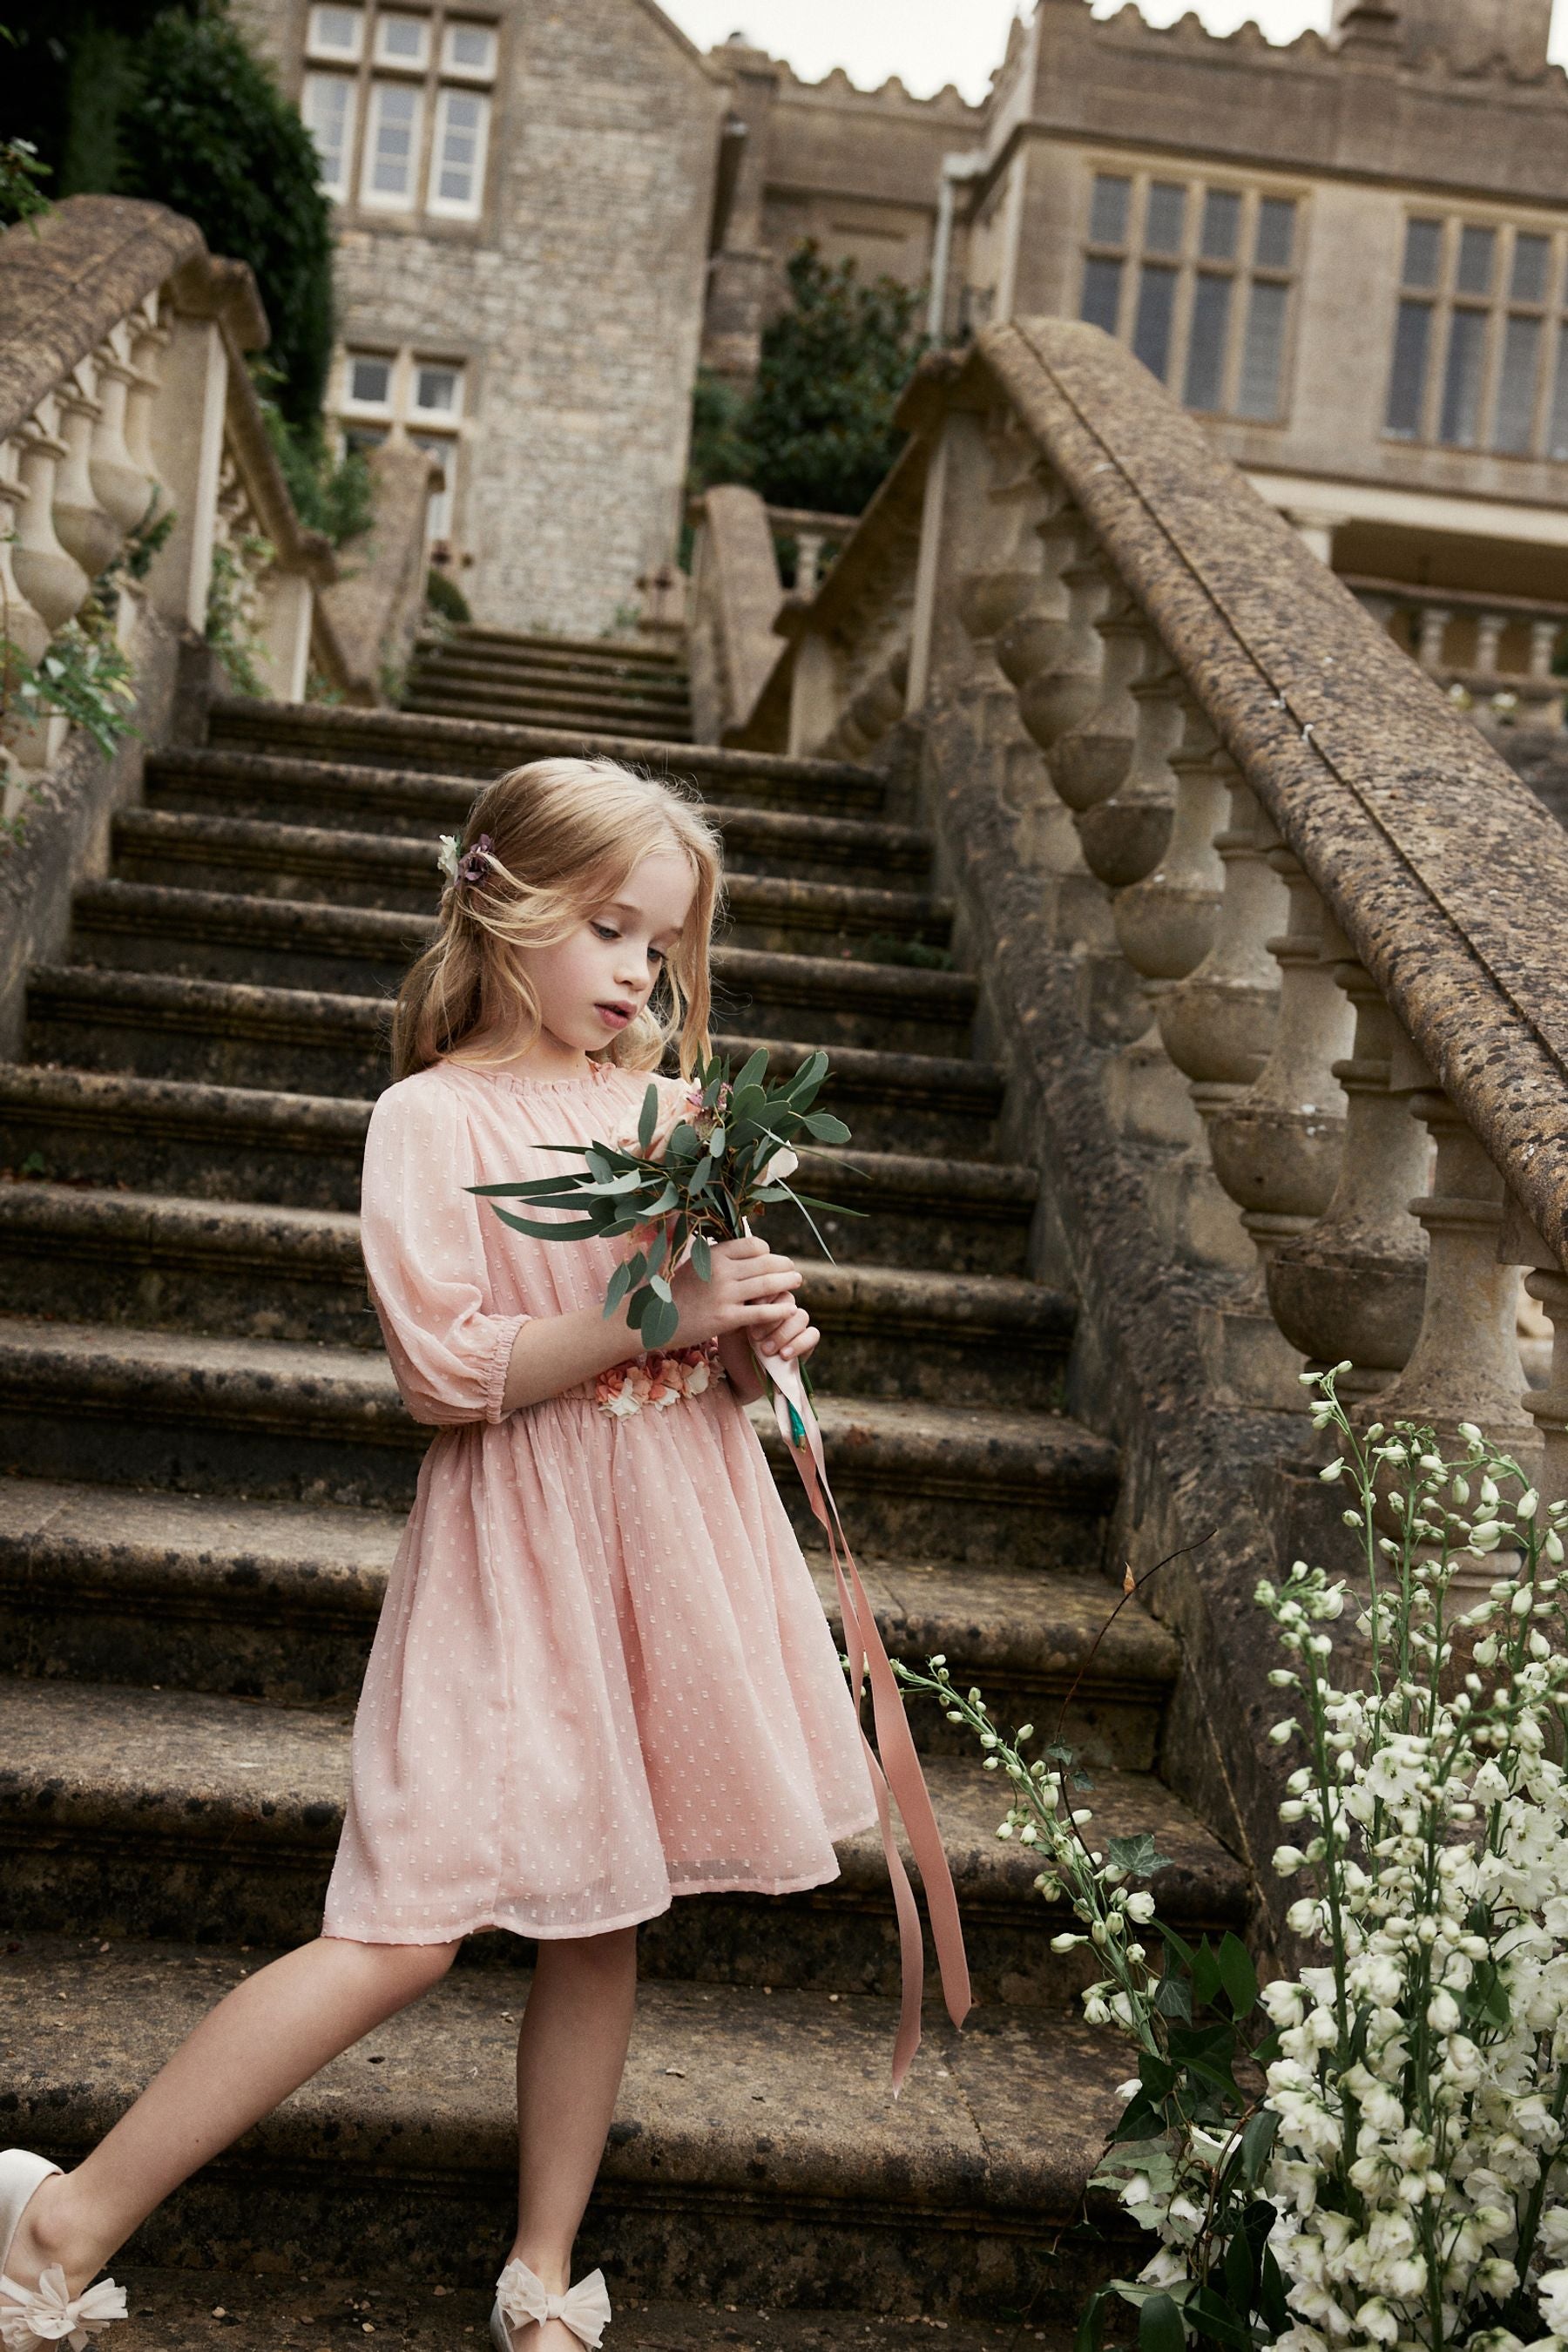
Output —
(571, 2053)
(271, 2033)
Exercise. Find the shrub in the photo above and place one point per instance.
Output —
(444, 596)
(820, 421)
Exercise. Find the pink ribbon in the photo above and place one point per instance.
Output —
(898, 1775)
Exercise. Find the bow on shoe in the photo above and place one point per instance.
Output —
(583, 2308)
(46, 2313)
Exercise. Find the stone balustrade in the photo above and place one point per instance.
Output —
(1494, 654)
(814, 540)
(1289, 919)
(738, 608)
(125, 405)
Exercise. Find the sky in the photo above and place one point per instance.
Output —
(929, 42)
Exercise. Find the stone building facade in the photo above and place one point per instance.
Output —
(524, 192)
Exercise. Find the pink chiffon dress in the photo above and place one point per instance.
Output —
(601, 1676)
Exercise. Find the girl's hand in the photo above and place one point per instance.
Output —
(791, 1337)
(749, 1289)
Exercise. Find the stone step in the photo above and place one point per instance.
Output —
(756, 2155)
(325, 864)
(593, 653)
(464, 747)
(296, 1422)
(464, 666)
(163, 1261)
(251, 2311)
(560, 707)
(409, 805)
(162, 1813)
(243, 1143)
(305, 1041)
(304, 943)
(279, 1602)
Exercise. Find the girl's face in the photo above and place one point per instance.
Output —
(596, 980)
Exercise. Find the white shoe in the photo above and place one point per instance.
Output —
(520, 2297)
(33, 2318)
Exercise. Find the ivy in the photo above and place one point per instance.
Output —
(231, 629)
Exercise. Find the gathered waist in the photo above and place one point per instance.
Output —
(654, 1381)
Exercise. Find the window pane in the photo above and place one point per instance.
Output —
(1163, 224)
(1108, 210)
(1423, 252)
(392, 143)
(1151, 329)
(1477, 252)
(336, 33)
(469, 49)
(1275, 233)
(1530, 258)
(328, 108)
(1557, 433)
(1205, 386)
(1101, 302)
(1515, 430)
(363, 437)
(370, 381)
(1462, 378)
(456, 166)
(402, 40)
(1407, 384)
(1262, 351)
(436, 390)
(1222, 224)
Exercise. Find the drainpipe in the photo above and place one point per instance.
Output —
(954, 168)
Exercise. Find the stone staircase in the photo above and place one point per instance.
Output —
(603, 685)
(208, 1469)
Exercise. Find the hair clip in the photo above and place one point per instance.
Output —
(471, 864)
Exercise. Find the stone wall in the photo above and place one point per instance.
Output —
(574, 304)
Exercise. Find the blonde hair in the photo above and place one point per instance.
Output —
(563, 835)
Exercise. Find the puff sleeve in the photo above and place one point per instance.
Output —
(424, 1255)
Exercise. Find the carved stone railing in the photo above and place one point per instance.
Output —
(124, 403)
(1496, 655)
(1265, 935)
(813, 539)
(738, 605)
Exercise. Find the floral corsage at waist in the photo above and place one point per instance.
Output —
(664, 1376)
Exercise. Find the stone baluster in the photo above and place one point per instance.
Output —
(1217, 1023)
(121, 487)
(19, 624)
(1008, 580)
(1464, 1365)
(1277, 1145)
(1126, 831)
(1543, 637)
(84, 527)
(807, 563)
(52, 580)
(1489, 627)
(149, 341)
(1090, 759)
(1059, 665)
(1351, 1285)
(1519, 1244)
(1432, 630)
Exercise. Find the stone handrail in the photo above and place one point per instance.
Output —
(1498, 652)
(1265, 937)
(124, 399)
(376, 609)
(734, 599)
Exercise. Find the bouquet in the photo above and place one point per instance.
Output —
(727, 1158)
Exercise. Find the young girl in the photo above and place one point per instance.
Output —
(601, 1676)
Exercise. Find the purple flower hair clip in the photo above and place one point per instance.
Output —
(468, 866)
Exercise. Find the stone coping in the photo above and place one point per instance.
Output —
(1438, 864)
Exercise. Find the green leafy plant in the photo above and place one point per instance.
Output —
(331, 494)
(231, 629)
(725, 1160)
(445, 599)
(21, 169)
(818, 427)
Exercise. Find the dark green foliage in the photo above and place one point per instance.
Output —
(444, 596)
(206, 129)
(818, 428)
(330, 494)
